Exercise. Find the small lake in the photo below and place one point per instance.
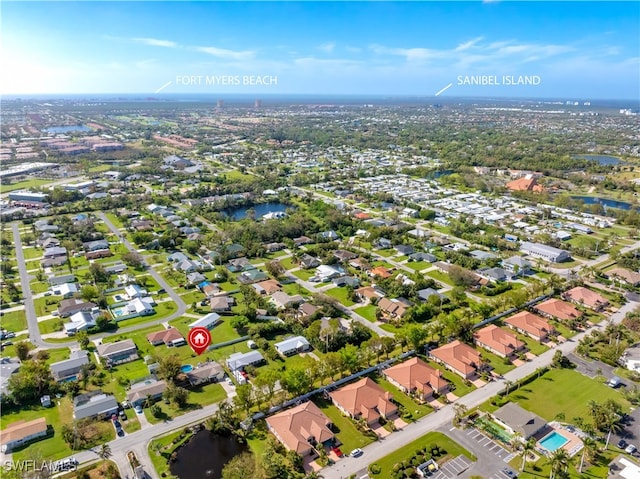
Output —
(602, 159)
(261, 209)
(67, 129)
(204, 456)
(590, 200)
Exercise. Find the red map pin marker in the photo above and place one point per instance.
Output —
(199, 339)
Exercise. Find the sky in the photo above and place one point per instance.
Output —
(572, 50)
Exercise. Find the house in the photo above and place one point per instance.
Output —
(414, 376)
(585, 297)
(382, 243)
(177, 257)
(306, 310)
(364, 399)
(498, 341)
(252, 276)
(118, 352)
(458, 357)
(344, 255)
(328, 235)
(493, 274)
(282, 300)
(291, 346)
(140, 306)
(268, 286)
(101, 253)
(404, 249)
(58, 280)
(394, 308)
(151, 389)
(134, 291)
(631, 358)
(53, 262)
(221, 303)
(70, 306)
(517, 265)
(96, 245)
(273, 247)
(237, 265)
(209, 372)
(380, 272)
(69, 368)
(369, 293)
(516, 419)
(530, 324)
(359, 263)
(302, 240)
(307, 261)
(19, 433)
(195, 278)
(557, 309)
(170, 337)
(302, 428)
(547, 253)
(81, 321)
(209, 289)
(66, 290)
(55, 252)
(346, 281)
(95, 404)
(526, 183)
(238, 361)
(426, 293)
(8, 366)
(327, 272)
(420, 256)
(624, 275)
(234, 250)
(481, 255)
(208, 321)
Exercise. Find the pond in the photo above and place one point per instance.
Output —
(67, 129)
(607, 203)
(261, 209)
(602, 159)
(204, 456)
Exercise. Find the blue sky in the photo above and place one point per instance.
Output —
(577, 49)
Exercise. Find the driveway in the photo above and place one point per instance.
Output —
(591, 367)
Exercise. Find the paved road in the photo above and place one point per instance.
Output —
(29, 308)
(444, 416)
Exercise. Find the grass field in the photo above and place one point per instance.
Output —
(24, 185)
(14, 321)
(440, 276)
(452, 448)
(562, 391)
(341, 294)
(198, 397)
(347, 433)
(417, 410)
(368, 312)
(31, 253)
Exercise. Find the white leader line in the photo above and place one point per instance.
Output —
(441, 91)
(170, 82)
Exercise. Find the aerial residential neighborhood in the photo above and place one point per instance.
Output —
(440, 283)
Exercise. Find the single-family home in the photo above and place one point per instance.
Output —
(221, 303)
(415, 376)
(95, 404)
(206, 373)
(371, 293)
(458, 357)
(69, 368)
(624, 275)
(585, 297)
(631, 358)
(135, 291)
(380, 272)
(517, 265)
(58, 280)
(252, 276)
(302, 428)
(307, 261)
(301, 241)
(118, 352)
(291, 346)
(66, 290)
(558, 309)
(394, 308)
(239, 264)
(142, 306)
(152, 389)
(238, 361)
(169, 337)
(96, 245)
(344, 255)
(364, 399)
(426, 293)
(70, 306)
(306, 310)
(493, 274)
(8, 366)
(530, 324)
(498, 341)
(515, 419)
(421, 256)
(282, 300)
(196, 278)
(327, 272)
(404, 249)
(208, 321)
(19, 433)
(268, 286)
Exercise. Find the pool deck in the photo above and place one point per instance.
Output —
(572, 446)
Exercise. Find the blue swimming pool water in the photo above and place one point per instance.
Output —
(187, 368)
(553, 441)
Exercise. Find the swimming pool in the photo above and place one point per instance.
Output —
(553, 441)
(187, 368)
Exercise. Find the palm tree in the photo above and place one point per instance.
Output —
(527, 446)
(558, 460)
(104, 452)
(613, 422)
(589, 451)
(507, 385)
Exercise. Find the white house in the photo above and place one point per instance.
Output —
(80, 321)
(291, 346)
(66, 290)
(208, 321)
(134, 291)
(141, 306)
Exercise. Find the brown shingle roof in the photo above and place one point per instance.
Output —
(21, 429)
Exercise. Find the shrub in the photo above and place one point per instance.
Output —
(374, 468)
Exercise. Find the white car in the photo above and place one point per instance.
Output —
(356, 452)
(631, 449)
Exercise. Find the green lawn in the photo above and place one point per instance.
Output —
(44, 309)
(417, 410)
(288, 263)
(562, 391)
(31, 253)
(33, 265)
(24, 185)
(220, 333)
(341, 294)
(294, 288)
(159, 459)
(452, 448)
(162, 310)
(114, 219)
(347, 433)
(368, 312)
(14, 321)
(39, 286)
(496, 362)
(50, 325)
(418, 265)
(303, 274)
(199, 397)
(440, 276)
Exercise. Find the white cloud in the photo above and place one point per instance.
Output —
(155, 42)
(226, 54)
(327, 47)
(469, 44)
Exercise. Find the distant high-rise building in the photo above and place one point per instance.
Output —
(220, 104)
(257, 103)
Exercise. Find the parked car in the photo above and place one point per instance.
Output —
(10, 334)
(630, 449)
(138, 409)
(123, 415)
(614, 382)
(509, 473)
(356, 452)
(622, 444)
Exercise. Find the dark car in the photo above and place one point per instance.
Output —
(120, 431)
(161, 291)
(509, 473)
(117, 424)
(622, 443)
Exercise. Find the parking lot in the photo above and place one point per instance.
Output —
(453, 468)
(490, 445)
